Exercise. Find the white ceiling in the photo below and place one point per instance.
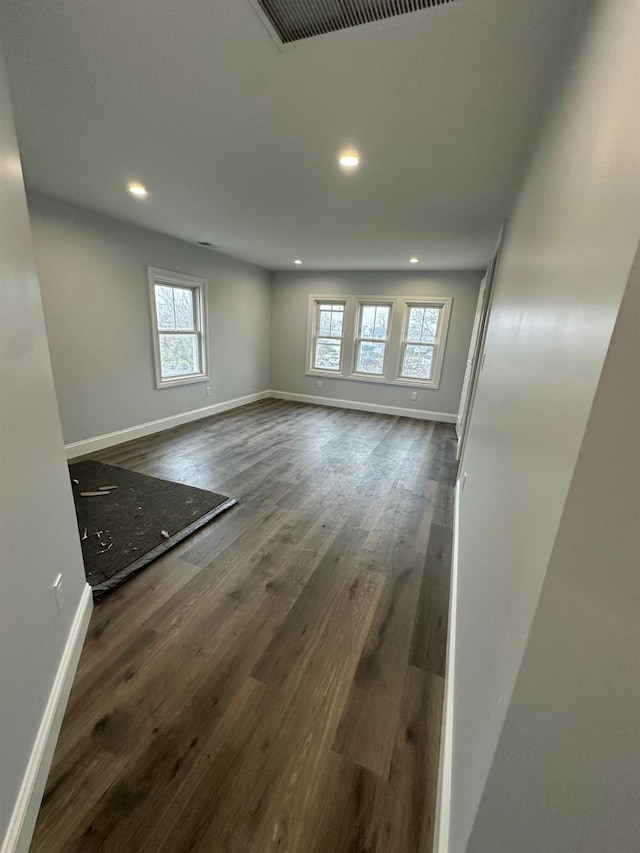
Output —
(237, 140)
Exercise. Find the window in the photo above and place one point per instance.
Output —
(328, 333)
(371, 338)
(367, 339)
(178, 318)
(419, 341)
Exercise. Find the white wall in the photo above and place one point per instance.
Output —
(567, 255)
(94, 287)
(290, 301)
(566, 775)
(38, 533)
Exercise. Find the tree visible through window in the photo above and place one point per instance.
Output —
(419, 342)
(329, 329)
(178, 326)
(388, 339)
(371, 342)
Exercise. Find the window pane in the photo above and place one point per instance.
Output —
(374, 321)
(370, 358)
(330, 319)
(327, 355)
(179, 355)
(164, 306)
(417, 362)
(183, 304)
(324, 326)
(367, 319)
(174, 307)
(336, 320)
(423, 324)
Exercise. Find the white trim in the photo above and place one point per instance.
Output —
(358, 340)
(25, 811)
(394, 343)
(109, 439)
(313, 335)
(444, 303)
(443, 806)
(155, 275)
(421, 414)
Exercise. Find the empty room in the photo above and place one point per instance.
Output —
(319, 459)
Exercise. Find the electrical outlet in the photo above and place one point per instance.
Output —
(58, 592)
(208, 390)
(319, 383)
(414, 395)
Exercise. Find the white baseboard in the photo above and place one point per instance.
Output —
(443, 807)
(25, 811)
(109, 439)
(366, 407)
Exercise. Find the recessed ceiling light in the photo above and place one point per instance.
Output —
(349, 159)
(297, 261)
(413, 260)
(137, 189)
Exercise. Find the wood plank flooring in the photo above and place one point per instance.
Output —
(275, 682)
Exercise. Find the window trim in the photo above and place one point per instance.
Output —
(155, 275)
(313, 335)
(357, 339)
(438, 345)
(397, 326)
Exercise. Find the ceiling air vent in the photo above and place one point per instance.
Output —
(292, 20)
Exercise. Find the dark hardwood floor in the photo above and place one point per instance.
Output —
(275, 682)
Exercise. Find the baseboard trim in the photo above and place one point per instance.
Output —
(421, 414)
(25, 812)
(443, 806)
(110, 439)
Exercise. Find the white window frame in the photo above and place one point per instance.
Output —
(396, 340)
(199, 287)
(358, 340)
(438, 345)
(313, 333)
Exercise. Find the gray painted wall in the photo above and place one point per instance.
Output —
(566, 775)
(38, 533)
(96, 301)
(567, 255)
(290, 300)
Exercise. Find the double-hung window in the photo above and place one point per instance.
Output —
(397, 340)
(372, 335)
(420, 341)
(328, 335)
(178, 312)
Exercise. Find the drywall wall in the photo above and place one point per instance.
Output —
(96, 300)
(37, 521)
(568, 250)
(290, 305)
(566, 774)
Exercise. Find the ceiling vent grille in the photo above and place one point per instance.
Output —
(293, 20)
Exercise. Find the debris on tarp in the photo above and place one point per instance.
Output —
(77, 482)
(165, 534)
(84, 535)
(106, 549)
(93, 494)
(106, 488)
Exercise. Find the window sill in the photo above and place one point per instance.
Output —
(378, 380)
(186, 380)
